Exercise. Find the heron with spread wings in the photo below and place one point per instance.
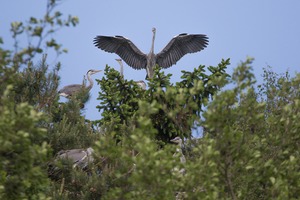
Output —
(179, 46)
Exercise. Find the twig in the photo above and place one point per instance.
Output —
(62, 186)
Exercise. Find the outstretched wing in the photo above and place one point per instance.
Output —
(179, 46)
(124, 48)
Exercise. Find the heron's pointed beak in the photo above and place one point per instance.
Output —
(173, 140)
(176, 140)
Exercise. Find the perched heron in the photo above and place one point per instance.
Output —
(79, 157)
(140, 83)
(177, 140)
(179, 46)
(119, 60)
(70, 90)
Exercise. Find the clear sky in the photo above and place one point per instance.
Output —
(268, 30)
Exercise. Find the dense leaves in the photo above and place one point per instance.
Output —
(177, 106)
(23, 151)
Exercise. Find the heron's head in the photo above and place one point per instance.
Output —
(142, 84)
(153, 30)
(177, 140)
(119, 60)
(93, 71)
(90, 150)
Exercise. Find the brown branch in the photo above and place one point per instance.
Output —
(228, 162)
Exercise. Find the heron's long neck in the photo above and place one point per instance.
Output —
(179, 148)
(151, 59)
(179, 151)
(90, 81)
(121, 69)
(152, 46)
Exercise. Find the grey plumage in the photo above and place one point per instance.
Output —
(141, 84)
(177, 140)
(121, 66)
(70, 90)
(79, 157)
(179, 46)
(178, 153)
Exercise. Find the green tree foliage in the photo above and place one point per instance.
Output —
(256, 148)
(177, 106)
(23, 151)
(29, 107)
(249, 148)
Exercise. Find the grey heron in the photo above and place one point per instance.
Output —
(70, 90)
(140, 83)
(79, 157)
(119, 60)
(177, 140)
(179, 46)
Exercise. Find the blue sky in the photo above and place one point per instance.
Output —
(267, 30)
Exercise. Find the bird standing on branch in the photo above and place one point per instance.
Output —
(177, 140)
(121, 66)
(70, 90)
(141, 84)
(79, 157)
(179, 46)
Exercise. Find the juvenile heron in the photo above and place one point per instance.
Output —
(140, 83)
(177, 140)
(119, 60)
(79, 157)
(70, 90)
(179, 46)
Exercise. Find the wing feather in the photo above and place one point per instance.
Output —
(124, 48)
(180, 46)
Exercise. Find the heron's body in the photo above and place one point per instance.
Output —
(70, 90)
(79, 157)
(179, 46)
(178, 141)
